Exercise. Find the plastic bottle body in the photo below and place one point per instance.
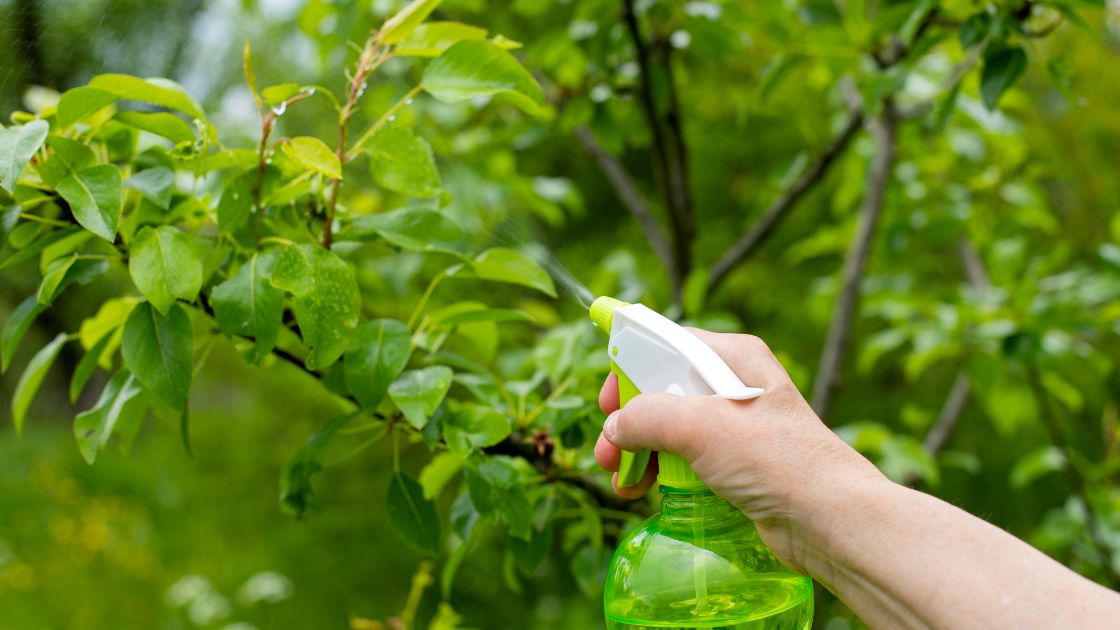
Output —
(700, 564)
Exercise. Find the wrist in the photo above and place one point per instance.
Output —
(826, 511)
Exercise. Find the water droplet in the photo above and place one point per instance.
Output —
(408, 102)
(309, 91)
(280, 108)
(392, 118)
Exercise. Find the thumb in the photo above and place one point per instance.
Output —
(660, 422)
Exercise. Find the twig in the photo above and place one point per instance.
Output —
(781, 206)
(950, 413)
(367, 63)
(627, 191)
(959, 393)
(659, 155)
(855, 262)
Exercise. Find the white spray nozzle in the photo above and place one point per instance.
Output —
(658, 355)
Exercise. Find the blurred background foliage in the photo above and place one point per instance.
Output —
(982, 355)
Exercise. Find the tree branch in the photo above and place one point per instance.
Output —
(627, 191)
(778, 209)
(957, 400)
(839, 330)
(667, 172)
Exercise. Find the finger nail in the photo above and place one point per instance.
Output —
(611, 425)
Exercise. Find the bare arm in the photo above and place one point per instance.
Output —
(895, 556)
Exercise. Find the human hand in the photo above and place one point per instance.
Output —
(771, 457)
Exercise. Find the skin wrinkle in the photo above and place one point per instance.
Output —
(897, 557)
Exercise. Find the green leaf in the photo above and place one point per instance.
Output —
(498, 493)
(247, 304)
(236, 205)
(161, 124)
(479, 314)
(975, 29)
(418, 393)
(313, 154)
(156, 91)
(32, 378)
(94, 195)
(9, 218)
(15, 327)
(414, 229)
(17, 146)
(506, 265)
(80, 102)
(403, 162)
(49, 239)
(378, 351)
(435, 475)
(432, 38)
(158, 350)
(473, 427)
(277, 94)
(121, 403)
(86, 367)
(327, 300)
(406, 20)
(164, 266)
(1036, 464)
(530, 555)
(66, 157)
(1002, 68)
(296, 493)
(154, 183)
(411, 515)
(478, 68)
(63, 272)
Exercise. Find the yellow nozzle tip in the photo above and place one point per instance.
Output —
(602, 311)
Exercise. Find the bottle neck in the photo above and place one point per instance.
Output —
(684, 507)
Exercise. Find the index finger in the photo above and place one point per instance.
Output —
(608, 395)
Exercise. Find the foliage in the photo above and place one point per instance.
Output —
(377, 244)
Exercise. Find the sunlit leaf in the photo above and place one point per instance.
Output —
(32, 378)
(432, 38)
(162, 124)
(15, 327)
(122, 402)
(478, 68)
(94, 195)
(17, 146)
(162, 92)
(164, 266)
(313, 154)
(507, 265)
(326, 301)
(417, 393)
(403, 162)
(400, 25)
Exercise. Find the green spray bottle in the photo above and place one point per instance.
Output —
(699, 563)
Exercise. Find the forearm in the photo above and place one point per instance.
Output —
(901, 558)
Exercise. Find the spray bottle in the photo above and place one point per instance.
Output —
(699, 563)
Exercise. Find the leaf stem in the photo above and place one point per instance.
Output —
(368, 61)
(39, 219)
(381, 122)
(424, 299)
